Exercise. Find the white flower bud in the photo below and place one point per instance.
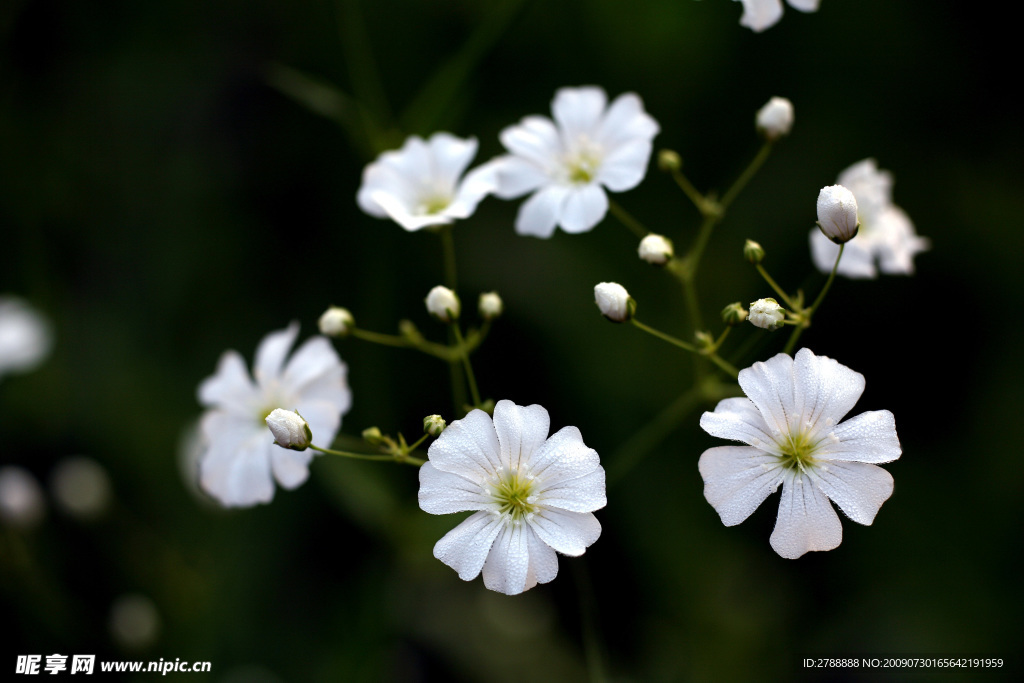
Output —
(290, 430)
(734, 314)
(775, 119)
(837, 213)
(656, 249)
(336, 322)
(614, 301)
(443, 304)
(767, 314)
(490, 305)
(434, 425)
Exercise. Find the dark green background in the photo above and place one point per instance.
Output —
(161, 203)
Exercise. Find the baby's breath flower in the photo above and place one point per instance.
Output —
(290, 430)
(490, 305)
(837, 213)
(531, 495)
(25, 336)
(443, 304)
(775, 119)
(791, 423)
(759, 15)
(656, 249)
(336, 322)
(614, 301)
(433, 425)
(767, 314)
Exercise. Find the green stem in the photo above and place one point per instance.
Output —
(470, 377)
(429, 348)
(448, 246)
(665, 337)
(690, 191)
(592, 643)
(405, 459)
(626, 219)
(806, 315)
(745, 177)
(724, 365)
(774, 285)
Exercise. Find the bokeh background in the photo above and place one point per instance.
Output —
(178, 178)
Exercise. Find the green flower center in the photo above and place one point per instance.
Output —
(434, 204)
(798, 451)
(512, 490)
(584, 161)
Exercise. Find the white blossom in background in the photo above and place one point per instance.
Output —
(613, 301)
(21, 498)
(422, 183)
(81, 487)
(568, 163)
(25, 336)
(241, 461)
(531, 495)
(490, 305)
(775, 119)
(791, 423)
(759, 15)
(886, 240)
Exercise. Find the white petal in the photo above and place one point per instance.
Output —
(271, 353)
(515, 176)
(449, 158)
(236, 473)
(324, 419)
(582, 494)
(857, 488)
(477, 184)
(804, 5)
(291, 468)
(561, 461)
(230, 386)
(543, 561)
(806, 519)
(871, 187)
(760, 14)
(769, 384)
(824, 391)
(465, 548)
(897, 244)
(578, 111)
(625, 167)
(738, 419)
(508, 564)
(310, 361)
(400, 211)
(468, 447)
(380, 180)
(626, 122)
(868, 437)
(535, 139)
(857, 261)
(583, 209)
(521, 431)
(443, 493)
(540, 213)
(567, 532)
(737, 479)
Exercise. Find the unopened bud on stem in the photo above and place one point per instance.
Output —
(614, 301)
(290, 430)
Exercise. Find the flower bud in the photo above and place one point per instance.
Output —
(656, 249)
(703, 338)
(668, 160)
(753, 252)
(372, 435)
(434, 425)
(336, 322)
(490, 305)
(614, 301)
(290, 430)
(767, 314)
(443, 304)
(837, 213)
(734, 314)
(775, 118)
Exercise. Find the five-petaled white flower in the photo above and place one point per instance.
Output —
(419, 185)
(241, 460)
(791, 422)
(567, 163)
(759, 15)
(886, 234)
(531, 495)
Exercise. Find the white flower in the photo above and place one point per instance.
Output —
(336, 322)
(443, 304)
(767, 314)
(759, 15)
(837, 213)
(241, 461)
(568, 163)
(886, 235)
(419, 185)
(25, 337)
(613, 301)
(655, 249)
(531, 495)
(21, 498)
(289, 429)
(775, 119)
(791, 422)
(490, 305)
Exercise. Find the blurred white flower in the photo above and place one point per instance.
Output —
(759, 15)
(886, 235)
(490, 305)
(81, 487)
(531, 495)
(25, 336)
(241, 461)
(791, 422)
(21, 498)
(422, 184)
(134, 621)
(567, 163)
(775, 119)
